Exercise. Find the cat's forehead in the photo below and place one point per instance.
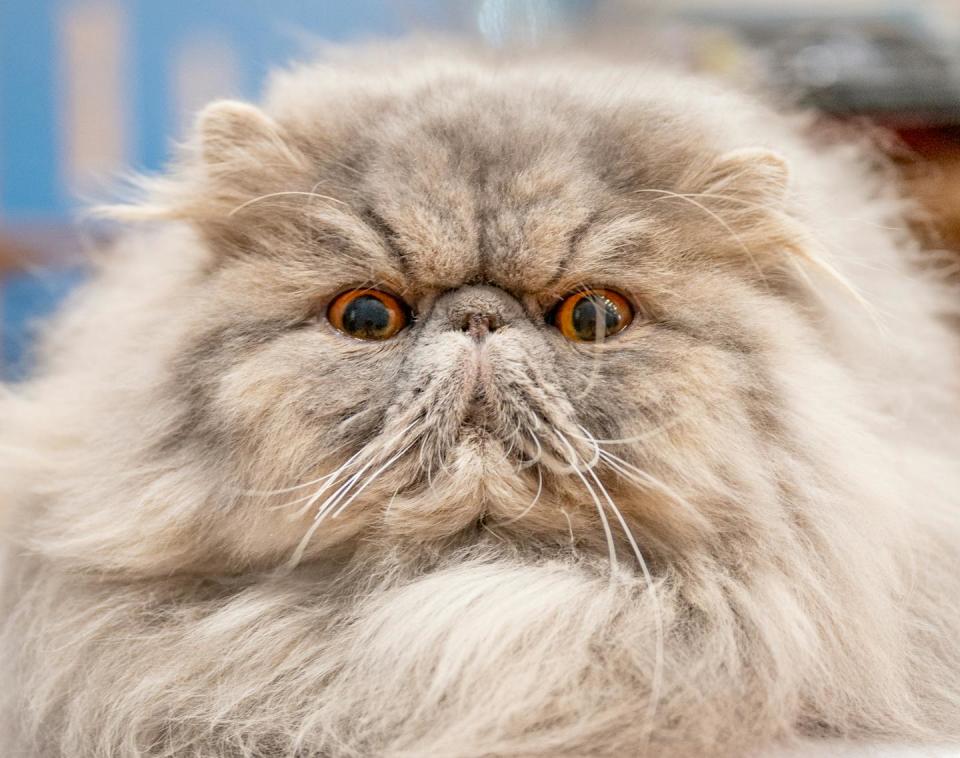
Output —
(478, 183)
(481, 190)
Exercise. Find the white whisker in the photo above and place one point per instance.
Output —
(573, 539)
(370, 479)
(393, 498)
(639, 476)
(344, 488)
(486, 528)
(282, 194)
(608, 533)
(640, 437)
(331, 502)
(536, 458)
(300, 512)
(812, 258)
(666, 194)
(657, 678)
(325, 481)
(596, 448)
(529, 508)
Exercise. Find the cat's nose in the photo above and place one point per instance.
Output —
(479, 324)
(477, 310)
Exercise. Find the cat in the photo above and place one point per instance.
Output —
(447, 405)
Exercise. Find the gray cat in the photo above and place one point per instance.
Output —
(454, 407)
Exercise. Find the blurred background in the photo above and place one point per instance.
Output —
(91, 88)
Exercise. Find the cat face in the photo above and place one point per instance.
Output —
(474, 208)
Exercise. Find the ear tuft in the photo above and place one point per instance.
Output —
(752, 173)
(229, 129)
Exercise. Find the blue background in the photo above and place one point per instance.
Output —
(33, 195)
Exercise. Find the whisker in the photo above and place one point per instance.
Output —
(327, 485)
(657, 678)
(532, 503)
(370, 479)
(486, 528)
(638, 438)
(344, 488)
(536, 458)
(813, 259)
(328, 480)
(393, 497)
(596, 448)
(270, 195)
(321, 480)
(607, 532)
(301, 548)
(645, 479)
(666, 194)
(573, 539)
(332, 501)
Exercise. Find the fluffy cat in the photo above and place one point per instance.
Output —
(457, 407)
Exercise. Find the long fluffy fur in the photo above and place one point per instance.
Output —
(781, 457)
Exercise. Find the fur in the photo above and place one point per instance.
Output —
(235, 532)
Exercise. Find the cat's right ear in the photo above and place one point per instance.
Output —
(752, 174)
(238, 152)
(235, 137)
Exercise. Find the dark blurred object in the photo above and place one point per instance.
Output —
(935, 180)
(893, 71)
(895, 65)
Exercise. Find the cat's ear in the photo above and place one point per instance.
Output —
(234, 136)
(752, 174)
(237, 150)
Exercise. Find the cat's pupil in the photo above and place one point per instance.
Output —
(366, 316)
(584, 317)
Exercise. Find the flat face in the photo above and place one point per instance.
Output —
(479, 211)
(458, 303)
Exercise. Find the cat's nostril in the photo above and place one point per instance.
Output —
(477, 310)
(478, 325)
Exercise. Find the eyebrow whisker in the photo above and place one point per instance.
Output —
(271, 195)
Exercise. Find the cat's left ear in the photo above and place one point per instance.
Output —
(752, 174)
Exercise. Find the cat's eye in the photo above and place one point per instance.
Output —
(368, 314)
(590, 315)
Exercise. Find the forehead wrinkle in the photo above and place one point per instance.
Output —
(437, 246)
(573, 244)
(534, 222)
(355, 237)
(599, 248)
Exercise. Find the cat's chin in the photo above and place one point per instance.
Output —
(483, 486)
(487, 491)
(482, 481)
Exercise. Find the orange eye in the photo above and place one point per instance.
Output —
(591, 315)
(368, 314)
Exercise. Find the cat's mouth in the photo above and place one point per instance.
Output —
(482, 434)
(478, 420)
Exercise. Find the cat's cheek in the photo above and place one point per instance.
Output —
(274, 539)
